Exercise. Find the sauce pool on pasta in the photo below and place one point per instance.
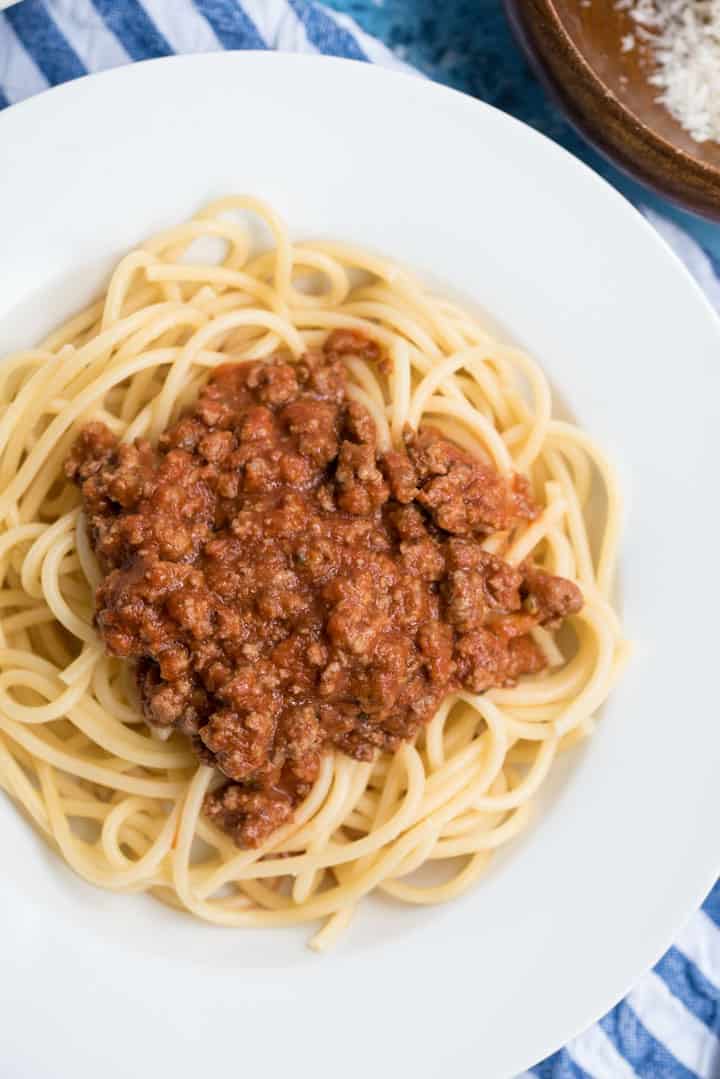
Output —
(337, 585)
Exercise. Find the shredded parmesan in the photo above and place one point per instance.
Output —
(684, 37)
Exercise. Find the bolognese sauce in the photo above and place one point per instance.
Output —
(285, 588)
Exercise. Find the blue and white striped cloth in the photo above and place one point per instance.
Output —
(668, 1027)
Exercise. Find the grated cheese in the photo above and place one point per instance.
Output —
(684, 37)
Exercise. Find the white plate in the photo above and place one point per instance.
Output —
(626, 846)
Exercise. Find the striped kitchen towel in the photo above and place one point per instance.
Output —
(668, 1027)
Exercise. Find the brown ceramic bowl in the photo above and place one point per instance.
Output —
(576, 50)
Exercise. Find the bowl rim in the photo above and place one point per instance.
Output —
(522, 16)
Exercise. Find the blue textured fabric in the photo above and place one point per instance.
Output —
(324, 32)
(41, 37)
(711, 906)
(560, 1066)
(669, 1026)
(233, 27)
(133, 28)
(648, 1057)
(689, 984)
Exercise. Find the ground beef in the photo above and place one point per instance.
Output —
(285, 589)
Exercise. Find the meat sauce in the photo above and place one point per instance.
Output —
(286, 589)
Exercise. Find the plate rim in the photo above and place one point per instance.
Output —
(121, 74)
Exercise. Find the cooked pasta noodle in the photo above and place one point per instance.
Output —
(123, 807)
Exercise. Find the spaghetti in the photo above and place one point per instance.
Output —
(125, 809)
